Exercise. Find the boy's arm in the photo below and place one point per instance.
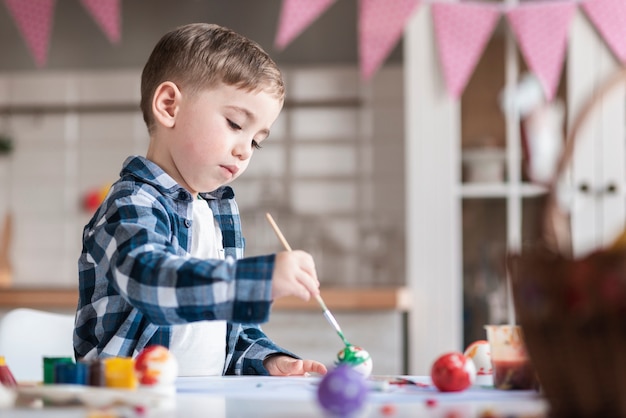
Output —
(247, 346)
(135, 251)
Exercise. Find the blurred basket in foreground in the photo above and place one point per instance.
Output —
(573, 315)
(573, 310)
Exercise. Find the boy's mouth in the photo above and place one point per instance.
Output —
(233, 169)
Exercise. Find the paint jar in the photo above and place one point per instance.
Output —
(95, 373)
(70, 373)
(6, 377)
(511, 365)
(49, 364)
(119, 372)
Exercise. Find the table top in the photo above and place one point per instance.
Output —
(257, 396)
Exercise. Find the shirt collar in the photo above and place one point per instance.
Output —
(148, 172)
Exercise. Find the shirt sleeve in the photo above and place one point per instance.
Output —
(134, 245)
(247, 347)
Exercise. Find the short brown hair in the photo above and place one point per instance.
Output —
(202, 55)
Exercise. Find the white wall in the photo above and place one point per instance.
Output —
(331, 174)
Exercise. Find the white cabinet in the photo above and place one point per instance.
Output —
(598, 167)
(458, 232)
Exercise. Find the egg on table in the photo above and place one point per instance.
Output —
(453, 372)
(480, 353)
(356, 358)
(156, 365)
(342, 391)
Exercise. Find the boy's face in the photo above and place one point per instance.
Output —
(215, 133)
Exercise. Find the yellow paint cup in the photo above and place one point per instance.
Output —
(119, 372)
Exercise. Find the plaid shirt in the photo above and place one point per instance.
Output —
(136, 277)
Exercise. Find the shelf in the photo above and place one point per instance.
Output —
(353, 299)
(337, 299)
(499, 190)
(108, 107)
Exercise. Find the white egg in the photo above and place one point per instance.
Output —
(480, 353)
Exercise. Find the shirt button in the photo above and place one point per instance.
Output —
(187, 223)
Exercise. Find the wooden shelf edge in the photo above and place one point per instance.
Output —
(38, 298)
(336, 299)
(352, 299)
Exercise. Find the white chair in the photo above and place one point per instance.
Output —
(29, 335)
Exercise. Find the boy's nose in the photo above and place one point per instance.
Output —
(242, 151)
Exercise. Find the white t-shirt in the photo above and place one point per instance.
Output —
(200, 347)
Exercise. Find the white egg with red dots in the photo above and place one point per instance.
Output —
(480, 353)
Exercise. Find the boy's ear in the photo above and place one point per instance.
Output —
(165, 103)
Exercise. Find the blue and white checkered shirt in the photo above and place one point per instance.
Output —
(136, 277)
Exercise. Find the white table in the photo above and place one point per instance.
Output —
(290, 397)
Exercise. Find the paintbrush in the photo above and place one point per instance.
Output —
(327, 314)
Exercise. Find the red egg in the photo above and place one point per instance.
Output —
(453, 372)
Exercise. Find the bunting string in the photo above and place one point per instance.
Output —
(462, 30)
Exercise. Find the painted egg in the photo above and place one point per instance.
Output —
(342, 391)
(453, 372)
(156, 365)
(357, 358)
(480, 353)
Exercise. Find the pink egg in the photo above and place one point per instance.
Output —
(480, 353)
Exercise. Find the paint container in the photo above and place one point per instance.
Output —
(70, 373)
(6, 377)
(95, 372)
(49, 364)
(119, 372)
(512, 368)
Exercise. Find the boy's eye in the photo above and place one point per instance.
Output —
(256, 145)
(233, 125)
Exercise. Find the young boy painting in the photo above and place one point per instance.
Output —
(162, 259)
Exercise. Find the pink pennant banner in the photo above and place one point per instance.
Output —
(541, 30)
(381, 24)
(106, 13)
(609, 18)
(295, 17)
(34, 21)
(462, 31)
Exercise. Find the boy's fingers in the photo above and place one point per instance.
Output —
(310, 366)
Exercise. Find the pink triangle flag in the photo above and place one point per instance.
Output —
(106, 13)
(462, 31)
(609, 18)
(541, 30)
(34, 21)
(381, 24)
(296, 16)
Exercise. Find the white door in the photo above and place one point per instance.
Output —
(598, 189)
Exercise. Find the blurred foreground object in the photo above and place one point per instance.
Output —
(571, 309)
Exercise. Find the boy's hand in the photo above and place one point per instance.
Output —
(294, 275)
(281, 365)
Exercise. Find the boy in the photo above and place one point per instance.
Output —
(162, 256)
